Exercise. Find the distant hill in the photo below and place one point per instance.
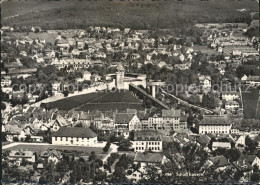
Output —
(147, 14)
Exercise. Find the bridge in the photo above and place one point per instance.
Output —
(140, 92)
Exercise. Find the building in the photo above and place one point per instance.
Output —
(125, 122)
(171, 119)
(216, 145)
(86, 75)
(19, 155)
(205, 81)
(74, 136)
(231, 105)
(253, 80)
(230, 95)
(166, 120)
(6, 82)
(147, 140)
(145, 159)
(122, 80)
(51, 156)
(215, 124)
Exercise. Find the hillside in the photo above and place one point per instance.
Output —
(145, 14)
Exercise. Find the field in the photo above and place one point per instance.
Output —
(98, 101)
(250, 101)
(145, 14)
(74, 101)
(113, 101)
(40, 148)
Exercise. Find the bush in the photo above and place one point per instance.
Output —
(15, 139)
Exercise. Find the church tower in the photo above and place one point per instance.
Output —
(120, 76)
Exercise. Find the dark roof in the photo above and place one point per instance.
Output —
(148, 157)
(75, 132)
(147, 135)
(203, 139)
(123, 118)
(220, 161)
(215, 120)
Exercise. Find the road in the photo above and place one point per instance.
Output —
(99, 145)
(114, 150)
(186, 103)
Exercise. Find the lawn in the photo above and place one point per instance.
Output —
(40, 148)
(125, 96)
(74, 101)
(111, 106)
(145, 14)
(113, 101)
(250, 101)
(99, 101)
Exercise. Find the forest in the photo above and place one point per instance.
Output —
(145, 14)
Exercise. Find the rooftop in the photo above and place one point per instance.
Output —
(215, 120)
(75, 132)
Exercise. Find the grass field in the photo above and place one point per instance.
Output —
(145, 14)
(73, 102)
(40, 148)
(113, 101)
(99, 101)
(250, 101)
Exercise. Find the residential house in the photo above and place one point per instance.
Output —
(220, 162)
(205, 81)
(125, 122)
(252, 159)
(6, 81)
(51, 156)
(58, 122)
(19, 155)
(145, 159)
(241, 141)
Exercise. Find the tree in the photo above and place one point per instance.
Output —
(238, 174)
(28, 138)
(92, 156)
(255, 177)
(191, 159)
(106, 148)
(3, 106)
(100, 176)
(250, 145)
(15, 139)
(124, 145)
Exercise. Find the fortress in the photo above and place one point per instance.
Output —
(121, 80)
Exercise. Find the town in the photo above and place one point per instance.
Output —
(113, 105)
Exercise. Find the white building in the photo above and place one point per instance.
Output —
(205, 81)
(74, 136)
(232, 105)
(230, 95)
(19, 155)
(215, 124)
(86, 75)
(147, 140)
(216, 145)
